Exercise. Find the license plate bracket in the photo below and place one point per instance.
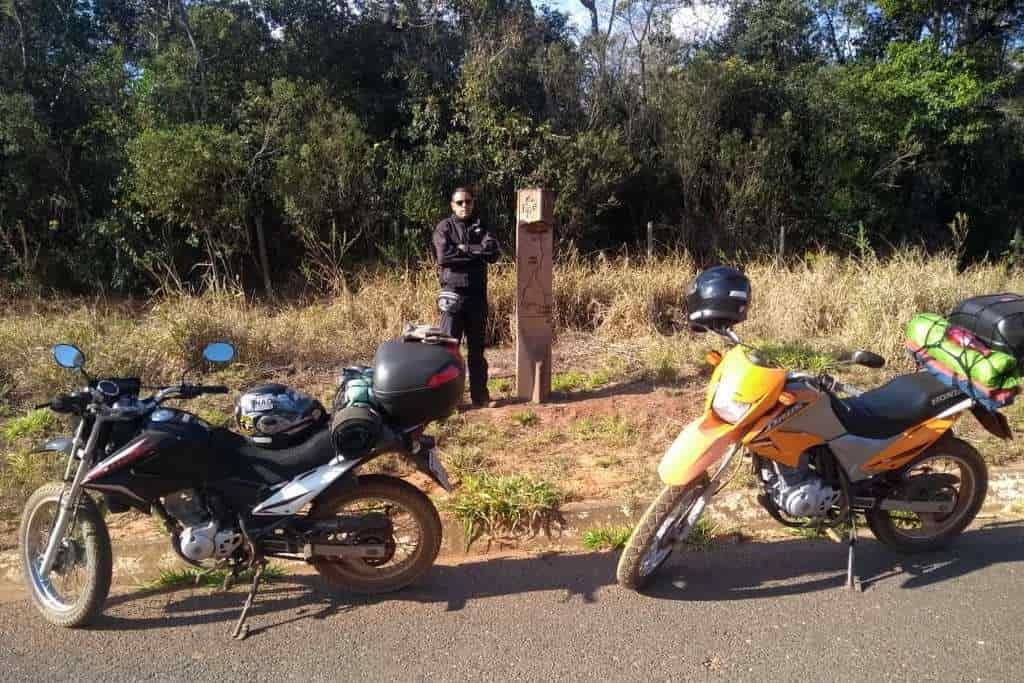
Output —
(437, 470)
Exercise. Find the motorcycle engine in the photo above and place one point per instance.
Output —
(203, 538)
(798, 491)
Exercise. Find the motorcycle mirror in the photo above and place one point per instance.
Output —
(867, 359)
(219, 352)
(68, 356)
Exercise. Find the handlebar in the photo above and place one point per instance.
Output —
(68, 403)
(830, 383)
(79, 401)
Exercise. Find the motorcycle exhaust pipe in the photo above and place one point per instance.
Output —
(345, 552)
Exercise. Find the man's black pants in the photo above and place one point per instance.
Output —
(471, 321)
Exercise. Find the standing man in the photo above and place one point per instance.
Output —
(464, 248)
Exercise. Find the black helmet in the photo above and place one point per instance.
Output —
(718, 298)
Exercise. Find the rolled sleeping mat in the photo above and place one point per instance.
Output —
(927, 334)
(355, 430)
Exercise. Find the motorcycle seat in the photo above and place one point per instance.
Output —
(276, 464)
(895, 407)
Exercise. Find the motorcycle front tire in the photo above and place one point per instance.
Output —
(92, 542)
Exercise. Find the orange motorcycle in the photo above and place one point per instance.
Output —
(823, 459)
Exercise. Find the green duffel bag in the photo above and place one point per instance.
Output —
(927, 334)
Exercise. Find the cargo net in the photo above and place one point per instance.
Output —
(958, 358)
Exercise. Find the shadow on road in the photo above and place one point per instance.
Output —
(774, 569)
(745, 571)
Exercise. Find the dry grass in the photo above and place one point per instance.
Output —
(616, 306)
(825, 302)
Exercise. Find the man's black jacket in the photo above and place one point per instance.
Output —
(464, 270)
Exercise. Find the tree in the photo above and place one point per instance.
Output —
(318, 164)
(193, 176)
(782, 34)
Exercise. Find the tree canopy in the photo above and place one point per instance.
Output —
(282, 143)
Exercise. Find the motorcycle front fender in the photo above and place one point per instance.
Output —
(699, 446)
(60, 444)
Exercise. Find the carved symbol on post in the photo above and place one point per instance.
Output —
(529, 208)
(534, 299)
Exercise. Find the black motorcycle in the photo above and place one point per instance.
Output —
(228, 503)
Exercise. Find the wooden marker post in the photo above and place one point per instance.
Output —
(534, 330)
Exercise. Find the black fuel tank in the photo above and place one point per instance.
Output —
(172, 452)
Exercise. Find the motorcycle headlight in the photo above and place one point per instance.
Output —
(728, 409)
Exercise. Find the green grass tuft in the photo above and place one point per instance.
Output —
(217, 418)
(35, 423)
(795, 355)
(465, 460)
(564, 382)
(500, 386)
(21, 473)
(574, 380)
(606, 537)
(609, 430)
(703, 533)
(662, 365)
(187, 577)
(525, 418)
(490, 504)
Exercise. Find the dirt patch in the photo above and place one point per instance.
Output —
(601, 444)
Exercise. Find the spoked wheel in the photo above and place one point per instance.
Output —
(411, 547)
(74, 590)
(950, 471)
(666, 522)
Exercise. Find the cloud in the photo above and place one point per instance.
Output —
(699, 22)
(578, 15)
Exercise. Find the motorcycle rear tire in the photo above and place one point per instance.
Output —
(882, 522)
(338, 577)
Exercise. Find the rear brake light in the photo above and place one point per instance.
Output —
(453, 349)
(447, 375)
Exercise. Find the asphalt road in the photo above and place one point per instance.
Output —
(755, 611)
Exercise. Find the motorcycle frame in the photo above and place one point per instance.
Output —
(286, 501)
(291, 496)
(777, 398)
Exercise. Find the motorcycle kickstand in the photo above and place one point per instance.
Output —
(230, 577)
(851, 576)
(241, 628)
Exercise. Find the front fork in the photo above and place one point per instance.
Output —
(697, 509)
(69, 500)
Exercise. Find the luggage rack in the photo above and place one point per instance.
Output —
(961, 374)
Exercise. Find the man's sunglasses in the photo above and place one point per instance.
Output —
(463, 202)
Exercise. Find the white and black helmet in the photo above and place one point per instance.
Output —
(277, 415)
